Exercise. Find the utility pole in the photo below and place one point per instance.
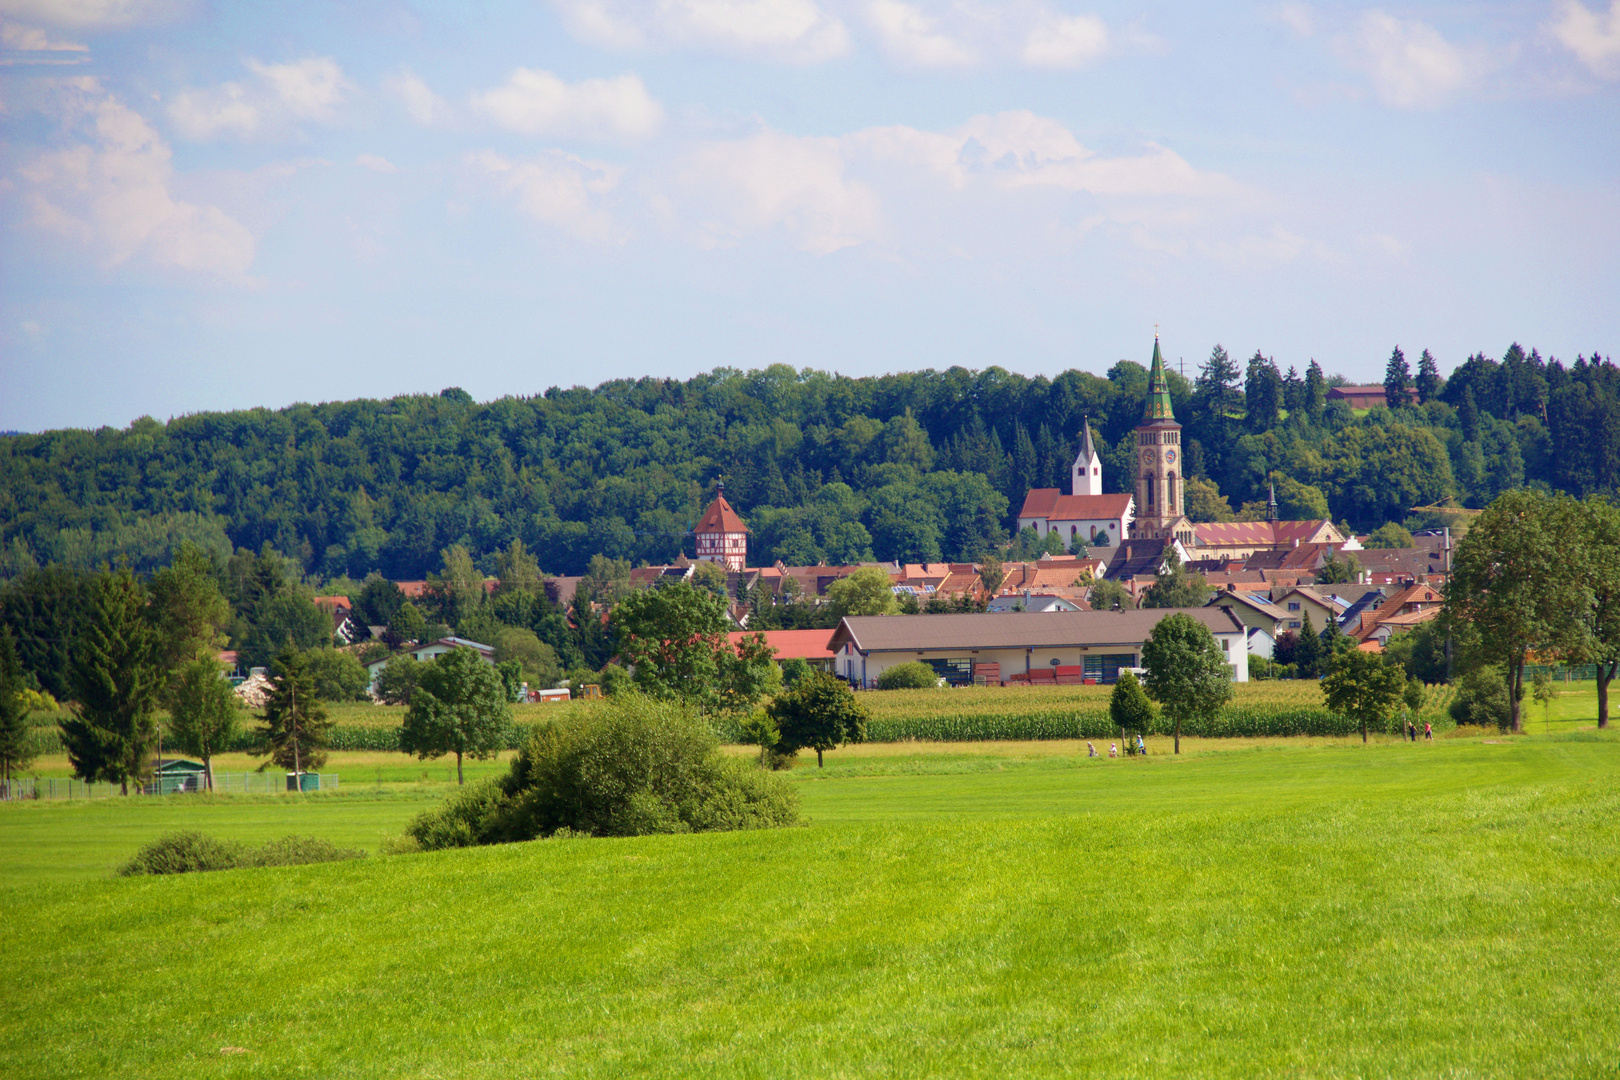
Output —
(292, 730)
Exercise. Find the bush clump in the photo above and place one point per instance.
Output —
(1482, 699)
(190, 852)
(912, 675)
(627, 766)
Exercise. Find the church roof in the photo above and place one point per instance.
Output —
(1266, 533)
(1052, 504)
(1087, 450)
(721, 518)
(1158, 396)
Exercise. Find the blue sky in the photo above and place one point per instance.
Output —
(211, 206)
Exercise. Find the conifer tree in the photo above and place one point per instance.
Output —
(1397, 378)
(294, 727)
(116, 683)
(1428, 378)
(1308, 653)
(16, 739)
(1315, 392)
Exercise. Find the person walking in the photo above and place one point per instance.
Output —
(1411, 732)
(1428, 732)
(1113, 750)
(1091, 751)
(1141, 747)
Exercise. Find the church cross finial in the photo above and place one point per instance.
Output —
(1155, 330)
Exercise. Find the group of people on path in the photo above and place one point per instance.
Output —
(1113, 748)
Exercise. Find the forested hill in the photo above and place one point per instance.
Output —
(911, 466)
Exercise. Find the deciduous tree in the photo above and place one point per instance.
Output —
(1128, 706)
(1364, 688)
(460, 707)
(820, 713)
(1513, 585)
(1187, 673)
(203, 711)
(1175, 587)
(16, 737)
(868, 591)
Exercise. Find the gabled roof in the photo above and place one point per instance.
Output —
(803, 644)
(1250, 600)
(455, 642)
(1053, 505)
(720, 518)
(1017, 630)
(1274, 533)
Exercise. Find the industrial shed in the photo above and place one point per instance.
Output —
(1078, 646)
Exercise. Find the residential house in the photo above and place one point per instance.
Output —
(812, 646)
(1036, 603)
(1417, 603)
(1265, 621)
(1242, 539)
(1299, 601)
(345, 628)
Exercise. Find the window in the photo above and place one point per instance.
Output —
(1293, 605)
(1294, 625)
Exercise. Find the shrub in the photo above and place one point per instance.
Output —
(1482, 699)
(191, 852)
(183, 853)
(628, 766)
(913, 675)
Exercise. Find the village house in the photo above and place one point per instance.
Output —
(812, 646)
(1017, 647)
(1417, 603)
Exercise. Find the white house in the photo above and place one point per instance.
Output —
(431, 651)
(1092, 645)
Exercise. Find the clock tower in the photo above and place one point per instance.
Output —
(1159, 471)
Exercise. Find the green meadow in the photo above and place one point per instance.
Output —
(1307, 907)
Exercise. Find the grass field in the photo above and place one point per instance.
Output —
(1252, 908)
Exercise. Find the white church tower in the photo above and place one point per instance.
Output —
(1087, 478)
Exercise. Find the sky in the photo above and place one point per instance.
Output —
(213, 206)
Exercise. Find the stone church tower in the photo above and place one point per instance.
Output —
(1159, 476)
(1087, 478)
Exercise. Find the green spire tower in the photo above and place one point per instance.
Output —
(1159, 470)
(1158, 395)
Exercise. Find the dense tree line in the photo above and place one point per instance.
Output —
(912, 466)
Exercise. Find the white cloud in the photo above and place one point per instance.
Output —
(1065, 40)
(557, 189)
(772, 180)
(827, 194)
(1298, 18)
(913, 37)
(92, 15)
(794, 31)
(421, 103)
(1592, 36)
(32, 39)
(110, 192)
(309, 89)
(539, 103)
(376, 163)
(1411, 65)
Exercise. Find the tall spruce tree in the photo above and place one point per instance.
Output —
(1397, 380)
(1262, 394)
(16, 738)
(1315, 393)
(116, 682)
(1308, 652)
(294, 728)
(1428, 378)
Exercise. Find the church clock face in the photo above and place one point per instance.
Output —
(1147, 457)
(1170, 456)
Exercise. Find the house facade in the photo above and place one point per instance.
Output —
(1019, 646)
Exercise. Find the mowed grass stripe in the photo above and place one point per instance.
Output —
(1448, 920)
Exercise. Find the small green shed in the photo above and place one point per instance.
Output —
(177, 774)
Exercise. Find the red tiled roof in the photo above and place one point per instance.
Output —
(334, 601)
(1277, 533)
(720, 517)
(804, 644)
(1052, 504)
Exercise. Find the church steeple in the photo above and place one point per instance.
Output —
(1087, 475)
(1271, 507)
(1158, 395)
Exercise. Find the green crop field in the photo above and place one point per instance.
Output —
(1307, 907)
